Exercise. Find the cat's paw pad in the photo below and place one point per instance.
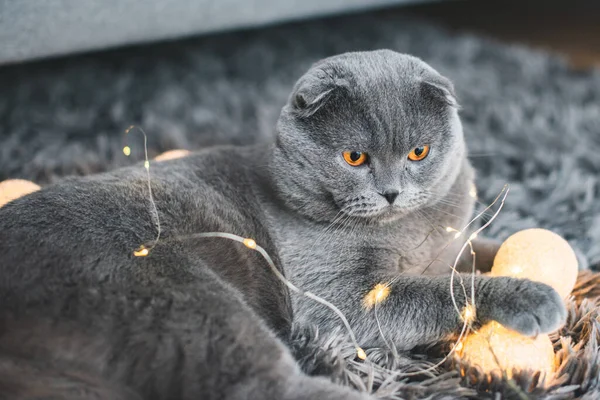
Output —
(530, 308)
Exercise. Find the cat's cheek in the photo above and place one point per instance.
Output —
(421, 173)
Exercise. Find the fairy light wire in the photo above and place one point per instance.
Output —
(143, 251)
(251, 244)
(468, 315)
(503, 194)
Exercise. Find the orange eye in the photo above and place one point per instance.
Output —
(355, 158)
(418, 153)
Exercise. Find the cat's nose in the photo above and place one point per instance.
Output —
(390, 195)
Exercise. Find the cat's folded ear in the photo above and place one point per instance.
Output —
(440, 88)
(313, 91)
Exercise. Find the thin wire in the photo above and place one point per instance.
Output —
(464, 330)
(466, 322)
(473, 269)
(504, 190)
(142, 250)
(251, 244)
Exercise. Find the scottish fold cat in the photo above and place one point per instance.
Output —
(367, 168)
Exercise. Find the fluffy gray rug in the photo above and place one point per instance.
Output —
(530, 121)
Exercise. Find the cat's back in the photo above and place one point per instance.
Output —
(97, 222)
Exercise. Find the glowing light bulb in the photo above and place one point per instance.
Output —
(376, 295)
(469, 313)
(361, 353)
(457, 232)
(516, 270)
(250, 243)
(473, 191)
(127, 150)
(141, 252)
(147, 164)
(495, 348)
(539, 255)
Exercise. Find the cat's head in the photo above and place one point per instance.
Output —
(374, 135)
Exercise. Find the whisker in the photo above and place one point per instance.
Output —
(445, 212)
(339, 216)
(477, 155)
(424, 215)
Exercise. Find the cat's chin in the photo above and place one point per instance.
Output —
(382, 217)
(392, 215)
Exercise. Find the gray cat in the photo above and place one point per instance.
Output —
(368, 168)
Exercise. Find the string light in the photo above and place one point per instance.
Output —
(376, 295)
(360, 353)
(515, 270)
(498, 348)
(251, 244)
(469, 314)
(144, 251)
(503, 194)
(473, 191)
(141, 252)
(457, 233)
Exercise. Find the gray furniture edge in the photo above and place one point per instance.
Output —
(31, 29)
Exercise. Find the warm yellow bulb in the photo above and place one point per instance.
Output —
(12, 189)
(361, 353)
(539, 255)
(250, 243)
(495, 348)
(458, 346)
(141, 252)
(516, 270)
(473, 191)
(127, 150)
(457, 232)
(172, 154)
(469, 313)
(376, 295)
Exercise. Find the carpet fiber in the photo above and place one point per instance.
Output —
(530, 121)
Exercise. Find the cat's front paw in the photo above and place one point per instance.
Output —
(527, 307)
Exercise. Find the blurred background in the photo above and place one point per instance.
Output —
(570, 28)
(74, 74)
(31, 30)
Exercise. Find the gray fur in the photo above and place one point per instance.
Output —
(200, 316)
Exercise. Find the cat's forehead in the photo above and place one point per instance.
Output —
(386, 101)
(376, 100)
(395, 124)
(382, 68)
